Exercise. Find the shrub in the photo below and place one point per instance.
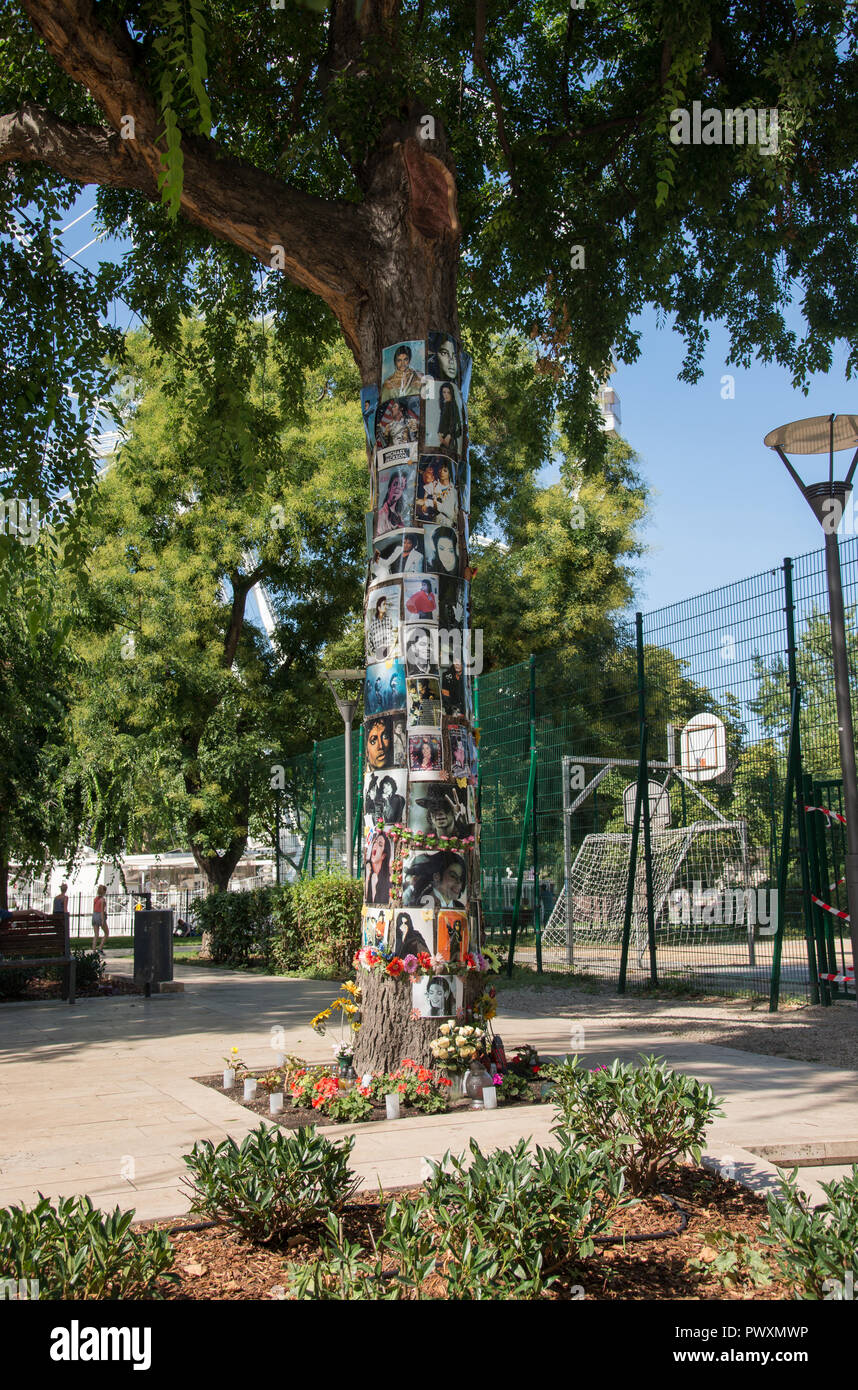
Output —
(73, 1250)
(816, 1251)
(529, 1213)
(327, 912)
(239, 925)
(273, 1183)
(647, 1116)
(89, 968)
(285, 954)
(505, 1225)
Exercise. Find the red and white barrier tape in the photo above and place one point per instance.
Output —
(839, 979)
(835, 911)
(824, 811)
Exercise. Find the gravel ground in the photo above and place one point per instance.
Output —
(804, 1032)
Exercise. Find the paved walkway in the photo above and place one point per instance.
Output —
(99, 1098)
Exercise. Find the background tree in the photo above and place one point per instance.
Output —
(183, 708)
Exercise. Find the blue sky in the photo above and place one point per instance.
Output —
(722, 505)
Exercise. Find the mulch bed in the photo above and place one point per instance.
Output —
(37, 989)
(298, 1117)
(220, 1263)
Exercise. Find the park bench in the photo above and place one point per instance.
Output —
(29, 937)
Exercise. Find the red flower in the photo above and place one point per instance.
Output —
(423, 1090)
(424, 960)
(394, 967)
(444, 1081)
(534, 1070)
(402, 1086)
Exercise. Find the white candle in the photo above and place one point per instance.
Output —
(228, 1078)
(250, 1088)
(280, 1058)
(490, 1097)
(275, 1102)
(392, 1103)
(366, 1079)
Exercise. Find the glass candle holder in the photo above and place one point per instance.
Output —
(391, 1103)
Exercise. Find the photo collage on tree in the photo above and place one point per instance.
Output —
(421, 891)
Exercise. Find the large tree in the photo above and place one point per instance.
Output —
(360, 149)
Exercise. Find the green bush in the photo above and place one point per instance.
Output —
(326, 922)
(73, 1250)
(273, 1183)
(285, 952)
(239, 925)
(89, 967)
(816, 1251)
(506, 1223)
(647, 1116)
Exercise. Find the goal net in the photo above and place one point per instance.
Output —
(702, 882)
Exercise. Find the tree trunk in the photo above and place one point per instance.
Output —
(388, 1034)
(412, 296)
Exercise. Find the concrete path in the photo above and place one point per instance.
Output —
(99, 1098)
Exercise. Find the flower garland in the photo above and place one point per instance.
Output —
(422, 839)
(373, 958)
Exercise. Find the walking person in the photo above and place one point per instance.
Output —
(99, 915)
(61, 904)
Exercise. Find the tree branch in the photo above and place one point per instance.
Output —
(480, 60)
(320, 245)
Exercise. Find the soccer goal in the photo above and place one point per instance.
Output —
(702, 882)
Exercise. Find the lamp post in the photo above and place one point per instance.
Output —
(829, 434)
(347, 709)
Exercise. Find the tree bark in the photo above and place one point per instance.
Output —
(388, 1034)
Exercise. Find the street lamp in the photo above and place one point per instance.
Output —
(829, 434)
(347, 709)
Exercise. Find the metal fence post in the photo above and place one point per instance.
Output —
(650, 916)
(522, 856)
(537, 906)
(783, 866)
(798, 775)
(633, 864)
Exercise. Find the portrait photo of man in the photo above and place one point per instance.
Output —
(398, 422)
(402, 370)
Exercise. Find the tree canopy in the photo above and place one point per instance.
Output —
(355, 148)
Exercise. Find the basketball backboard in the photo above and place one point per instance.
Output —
(703, 748)
(659, 805)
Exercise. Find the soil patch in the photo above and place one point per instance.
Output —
(36, 989)
(220, 1263)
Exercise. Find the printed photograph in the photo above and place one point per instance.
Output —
(385, 741)
(424, 701)
(435, 879)
(421, 651)
(398, 422)
(437, 497)
(399, 552)
(454, 691)
(425, 751)
(439, 808)
(379, 861)
(452, 603)
(369, 407)
(384, 798)
(437, 996)
(384, 687)
(442, 550)
(421, 600)
(459, 741)
(413, 931)
(465, 487)
(453, 936)
(382, 623)
(445, 421)
(375, 927)
(402, 369)
(396, 487)
(442, 357)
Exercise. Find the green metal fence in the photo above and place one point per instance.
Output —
(564, 891)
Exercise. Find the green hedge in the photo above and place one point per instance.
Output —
(312, 924)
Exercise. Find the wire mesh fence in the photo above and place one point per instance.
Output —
(723, 900)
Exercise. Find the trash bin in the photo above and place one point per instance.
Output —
(153, 948)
